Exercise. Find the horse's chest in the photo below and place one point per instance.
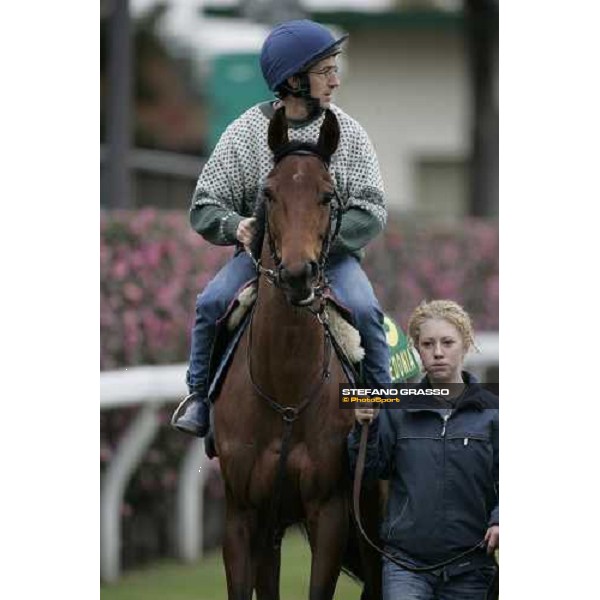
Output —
(306, 475)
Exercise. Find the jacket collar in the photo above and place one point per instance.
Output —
(470, 398)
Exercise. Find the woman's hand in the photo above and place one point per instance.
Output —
(365, 415)
(492, 538)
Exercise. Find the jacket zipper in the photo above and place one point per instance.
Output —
(443, 436)
(445, 417)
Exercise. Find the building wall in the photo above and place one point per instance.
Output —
(409, 90)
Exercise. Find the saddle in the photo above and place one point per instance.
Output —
(231, 326)
(346, 340)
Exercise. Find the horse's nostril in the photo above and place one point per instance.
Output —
(299, 275)
(290, 276)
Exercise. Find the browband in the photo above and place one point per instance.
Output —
(301, 149)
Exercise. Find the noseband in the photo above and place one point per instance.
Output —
(337, 208)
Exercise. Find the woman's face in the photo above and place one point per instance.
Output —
(442, 351)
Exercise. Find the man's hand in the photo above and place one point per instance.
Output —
(245, 231)
(492, 537)
(365, 415)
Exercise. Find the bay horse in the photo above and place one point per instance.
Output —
(279, 432)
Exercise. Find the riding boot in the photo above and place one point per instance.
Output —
(192, 415)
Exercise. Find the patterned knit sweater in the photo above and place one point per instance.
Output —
(236, 170)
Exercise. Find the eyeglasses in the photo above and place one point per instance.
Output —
(327, 72)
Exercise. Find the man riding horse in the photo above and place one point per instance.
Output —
(299, 64)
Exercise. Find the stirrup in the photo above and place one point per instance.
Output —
(191, 415)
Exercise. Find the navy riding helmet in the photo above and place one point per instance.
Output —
(293, 46)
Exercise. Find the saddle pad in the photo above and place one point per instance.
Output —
(221, 358)
(220, 365)
(403, 362)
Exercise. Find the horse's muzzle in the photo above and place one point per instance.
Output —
(298, 282)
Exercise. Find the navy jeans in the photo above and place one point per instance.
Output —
(400, 584)
(348, 282)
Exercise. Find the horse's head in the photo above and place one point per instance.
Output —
(299, 193)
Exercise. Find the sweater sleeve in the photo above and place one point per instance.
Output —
(215, 224)
(366, 215)
(358, 228)
(215, 211)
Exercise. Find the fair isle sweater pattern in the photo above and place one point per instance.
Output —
(240, 163)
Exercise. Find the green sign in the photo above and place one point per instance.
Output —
(403, 365)
(234, 85)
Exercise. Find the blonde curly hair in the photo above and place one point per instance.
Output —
(442, 309)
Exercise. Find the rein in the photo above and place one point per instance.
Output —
(290, 414)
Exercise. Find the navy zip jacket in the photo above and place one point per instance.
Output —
(443, 475)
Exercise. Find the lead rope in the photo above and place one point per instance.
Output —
(358, 474)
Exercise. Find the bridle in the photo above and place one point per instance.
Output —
(273, 276)
(290, 414)
(337, 208)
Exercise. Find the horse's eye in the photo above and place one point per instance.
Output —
(268, 195)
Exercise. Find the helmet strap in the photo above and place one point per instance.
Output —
(313, 105)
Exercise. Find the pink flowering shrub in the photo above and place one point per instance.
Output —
(415, 261)
(153, 265)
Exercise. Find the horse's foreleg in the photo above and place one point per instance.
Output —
(268, 570)
(328, 532)
(371, 510)
(240, 529)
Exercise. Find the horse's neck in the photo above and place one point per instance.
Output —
(276, 312)
(289, 340)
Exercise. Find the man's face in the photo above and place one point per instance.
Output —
(442, 350)
(324, 80)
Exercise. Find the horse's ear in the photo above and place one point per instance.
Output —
(278, 130)
(329, 135)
